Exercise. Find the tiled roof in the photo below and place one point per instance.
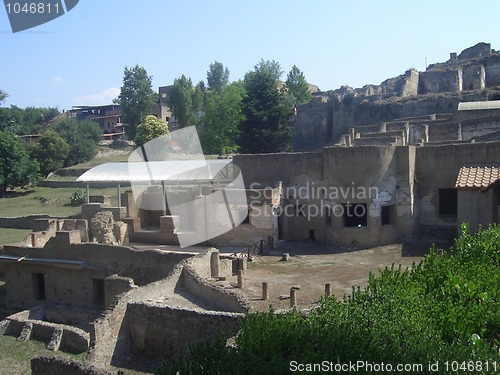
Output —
(478, 176)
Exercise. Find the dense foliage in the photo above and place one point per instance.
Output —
(82, 137)
(267, 111)
(50, 151)
(136, 98)
(181, 101)
(29, 120)
(150, 129)
(444, 309)
(297, 86)
(223, 114)
(16, 167)
(248, 116)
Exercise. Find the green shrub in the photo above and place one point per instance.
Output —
(444, 309)
(78, 197)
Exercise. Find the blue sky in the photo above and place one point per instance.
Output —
(78, 59)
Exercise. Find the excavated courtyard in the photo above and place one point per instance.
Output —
(311, 266)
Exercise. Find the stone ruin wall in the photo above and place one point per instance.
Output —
(28, 324)
(143, 322)
(472, 76)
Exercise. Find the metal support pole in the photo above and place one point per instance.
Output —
(164, 198)
(88, 194)
(119, 196)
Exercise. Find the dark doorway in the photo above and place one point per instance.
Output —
(312, 236)
(98, 292)
(39, 286)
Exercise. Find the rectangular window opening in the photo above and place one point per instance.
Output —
(355, 215)
(386, 215)
(328, 215)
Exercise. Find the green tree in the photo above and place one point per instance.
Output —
(198, 99)
(150, 129)
(217, 77)
(82, 136)
(16, 167)
(50, 151)
(223, 115)
(3, 96)
(136, 98)
(266, 110)
(297, 86)
(181, 101)
(30, 120)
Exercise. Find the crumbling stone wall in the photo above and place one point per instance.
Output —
(437, 81)
(73, 340)
(166, 332)
(123, 326)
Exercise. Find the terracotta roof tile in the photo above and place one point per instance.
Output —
(478, 176)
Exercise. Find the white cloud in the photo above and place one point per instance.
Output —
(104, 97)
(58, 79)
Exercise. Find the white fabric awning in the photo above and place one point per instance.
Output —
(157, 171)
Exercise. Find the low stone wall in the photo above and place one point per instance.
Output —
(224, 299)
(166, 332)
(43, 365)
(21, 222)
(74, 340)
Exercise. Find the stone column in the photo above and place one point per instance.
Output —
(328, 289)
(240, 278)
(293, 297)
(215, 264)
(265, 291)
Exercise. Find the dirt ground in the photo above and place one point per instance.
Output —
(311, 266)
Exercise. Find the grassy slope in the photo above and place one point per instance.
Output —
(10, 236)
(44, 200)
(15, 356)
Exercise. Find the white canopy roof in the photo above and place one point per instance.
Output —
(471, 106)
(156, 171)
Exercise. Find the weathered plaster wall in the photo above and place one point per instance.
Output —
(433, 82)
(438, 166)
(492, 73)
(474, 77)
(477, 208)
(71, 287)
(314, 121)
(73, 284)
(267, 169)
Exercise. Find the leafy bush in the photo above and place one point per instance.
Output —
(444, 309)
(78, 197)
